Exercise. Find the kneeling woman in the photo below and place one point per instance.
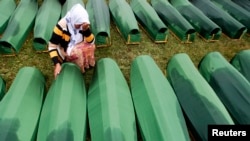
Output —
(72, 40)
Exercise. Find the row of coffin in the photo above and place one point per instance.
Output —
(153, 106)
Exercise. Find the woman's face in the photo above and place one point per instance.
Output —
(77, 26)
(84, 26)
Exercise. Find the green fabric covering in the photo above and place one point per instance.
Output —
(21, 106)
(230, 85)
(99, 17)
(239, 13)
(110, 106)
(7, 7)
(241, 61)
(64, 113)
(230, 26)
(2, 88)
(243, 3)
(202, 24)
(20, 24)
(196, 96)
(149, 20)
(158, 112)
(124, 18)
(181, 28)
(46, 19)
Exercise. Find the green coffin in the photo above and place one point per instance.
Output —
(2, 88)
(21, 106)
(64, 113)
(230, 85)
(100, 21)
(181, 28)
(46, 19)
(196, 96)
(125, 21)
(7, 7)
(158, 112)
(20, 24)
(243, 3)
(110, 107)
(206, 28)
(239, 13)
(230, 26)
(149, 20)
(241, 61)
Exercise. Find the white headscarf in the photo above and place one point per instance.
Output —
(76, 15)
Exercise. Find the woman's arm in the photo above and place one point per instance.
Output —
(87, 34)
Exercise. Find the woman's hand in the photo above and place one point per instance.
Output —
(57, 69)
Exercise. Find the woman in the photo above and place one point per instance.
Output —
(72, 40)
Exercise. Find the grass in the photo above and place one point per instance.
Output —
(123, 54)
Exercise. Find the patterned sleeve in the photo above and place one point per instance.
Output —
(60, 38)
(88, 36)
(61, 35)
